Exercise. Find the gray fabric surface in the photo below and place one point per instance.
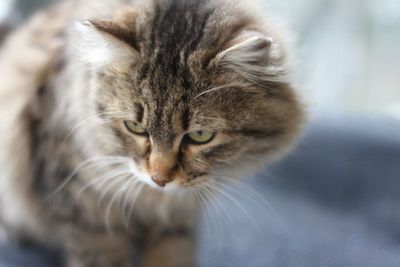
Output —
(333, 203)
(337, 199)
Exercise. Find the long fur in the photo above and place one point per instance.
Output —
(72, 172)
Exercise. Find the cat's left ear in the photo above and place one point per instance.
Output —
(254, 55)
(102, 41)
(249, 47)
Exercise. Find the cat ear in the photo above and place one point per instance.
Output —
(250, 47)
(253, 55)
(100, 42)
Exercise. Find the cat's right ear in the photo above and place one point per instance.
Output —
(100, 42)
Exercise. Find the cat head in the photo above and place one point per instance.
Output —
(189, 91)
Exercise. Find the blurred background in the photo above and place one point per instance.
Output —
(335, 200)
(347, 52)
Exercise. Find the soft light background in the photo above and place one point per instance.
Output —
(348, 52)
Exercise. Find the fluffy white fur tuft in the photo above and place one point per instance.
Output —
(98, 48)
(254, 56)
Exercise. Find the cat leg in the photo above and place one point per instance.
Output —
(170, 249)
(98, 250)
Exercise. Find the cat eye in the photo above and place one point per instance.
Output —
(200, 137)
(135, 127)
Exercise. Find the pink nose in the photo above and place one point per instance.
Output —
(161, 181)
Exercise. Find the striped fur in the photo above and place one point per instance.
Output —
(73, 173)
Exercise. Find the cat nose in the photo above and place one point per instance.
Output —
(161, 180)
(161, 167)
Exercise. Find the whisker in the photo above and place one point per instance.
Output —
(220, 223)
(83, 122)
(82, 166)
(203, 209)
(130, 187)
(230, 85)
(114, 197)
(110, 174)
(101, 180)
(255, 198)
(136, 196)
(219, 203)
(111, 183)
(226, 194)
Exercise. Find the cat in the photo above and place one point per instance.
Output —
(118, 115)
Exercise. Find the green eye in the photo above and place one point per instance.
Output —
(200, 137)
(135, 127)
